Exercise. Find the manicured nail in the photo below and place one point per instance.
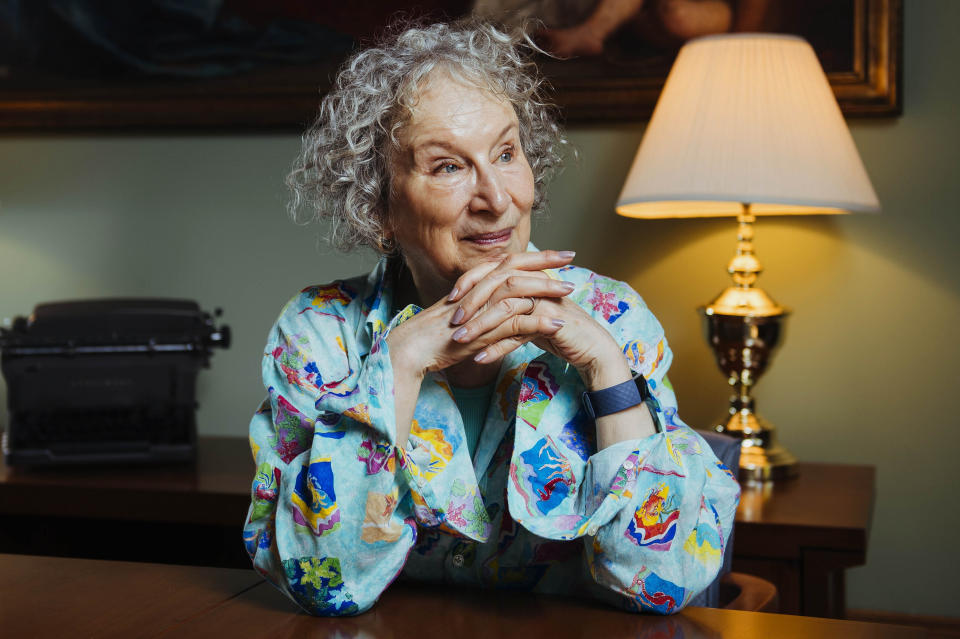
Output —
(458, 316)
(459, 333)
(453, 294)
(479, 357)
(557, 322)
(568, 285)
(567, 255)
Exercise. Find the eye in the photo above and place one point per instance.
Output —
(506, 156)
(448, 167)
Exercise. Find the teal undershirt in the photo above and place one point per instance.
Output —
(473, 404)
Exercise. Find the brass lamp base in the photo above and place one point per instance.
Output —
(744, 326)
(743, 347)
(762, 459)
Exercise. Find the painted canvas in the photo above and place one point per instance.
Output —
(249, 64)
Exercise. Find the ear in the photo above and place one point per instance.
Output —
(388, 235)
(387, 227)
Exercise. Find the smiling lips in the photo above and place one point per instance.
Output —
(489, 239)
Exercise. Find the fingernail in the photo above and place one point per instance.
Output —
(567, 254)
(453, 294)
(459, 333)
(568, 285)
(479, 357)
(557, 322)
(458, 316)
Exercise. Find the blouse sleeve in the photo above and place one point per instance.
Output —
(334, 503)
(655, 513)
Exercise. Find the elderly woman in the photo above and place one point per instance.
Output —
(474, 411)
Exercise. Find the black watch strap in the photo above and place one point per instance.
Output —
(614, 399)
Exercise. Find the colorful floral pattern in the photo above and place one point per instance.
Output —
(606, 303)
(314, 499)
(656, 594)
(316, 583)
(265, 490)
(378, 524)
(537, 388)
(542, 476)
(376, 456)
(654, 523)
(338, 510)
(293, 430)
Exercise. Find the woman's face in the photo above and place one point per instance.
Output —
(462, 189)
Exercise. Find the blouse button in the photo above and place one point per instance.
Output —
(458, 560)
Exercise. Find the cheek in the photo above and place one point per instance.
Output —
(523, 188)
(427, 216)
(440, 211)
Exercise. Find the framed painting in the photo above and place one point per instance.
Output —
(858, 42)
(75, 65)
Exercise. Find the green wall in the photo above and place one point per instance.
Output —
(867, 373)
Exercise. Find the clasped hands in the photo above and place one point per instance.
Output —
(496, 307)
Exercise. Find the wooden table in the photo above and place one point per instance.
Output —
(54, 597)
(58, 597)
(800, 534)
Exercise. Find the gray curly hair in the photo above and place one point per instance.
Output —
(343, 171)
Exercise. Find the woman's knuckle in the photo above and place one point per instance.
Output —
(512, 261)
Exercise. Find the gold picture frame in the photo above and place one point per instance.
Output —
(871, 85)
(285, 96)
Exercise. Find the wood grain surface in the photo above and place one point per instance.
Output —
(57, 597)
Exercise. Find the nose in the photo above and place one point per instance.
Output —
(490, 194)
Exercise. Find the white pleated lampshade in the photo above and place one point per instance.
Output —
(746, 118)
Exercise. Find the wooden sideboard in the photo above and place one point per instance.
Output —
(803, 533)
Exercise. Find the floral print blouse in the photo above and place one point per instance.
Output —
(338, 511)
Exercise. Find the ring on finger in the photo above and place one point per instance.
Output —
(533, 306)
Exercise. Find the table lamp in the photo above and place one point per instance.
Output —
(746, 125)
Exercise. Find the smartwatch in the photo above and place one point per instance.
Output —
(607, 401)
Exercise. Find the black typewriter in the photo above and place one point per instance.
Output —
(108, 380)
